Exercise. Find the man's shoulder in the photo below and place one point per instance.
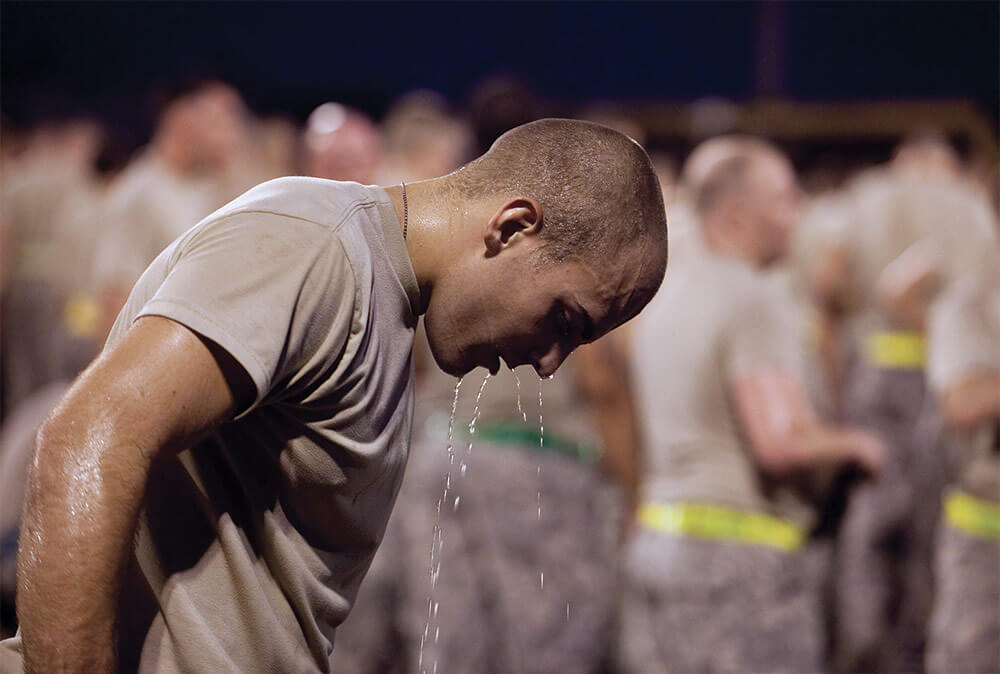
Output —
(325, 202)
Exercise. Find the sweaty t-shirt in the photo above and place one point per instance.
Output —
(717, 321)
(253, 542)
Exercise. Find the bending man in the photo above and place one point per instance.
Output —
(210, 492)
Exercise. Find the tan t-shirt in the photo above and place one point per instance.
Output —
(715, 322)
(964, 340)
(148, 206)
(888, 215)
(254, 541)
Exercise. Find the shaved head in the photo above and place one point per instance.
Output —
(597, 188)
(726, 167)
(704, 158)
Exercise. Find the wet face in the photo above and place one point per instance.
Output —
(520, 311)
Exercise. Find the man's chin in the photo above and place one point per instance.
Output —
(459, 367)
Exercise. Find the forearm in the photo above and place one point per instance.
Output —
(820, 447)
(620, 457)
(972, 401)
(82, 504)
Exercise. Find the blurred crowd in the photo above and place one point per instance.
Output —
(790, 461)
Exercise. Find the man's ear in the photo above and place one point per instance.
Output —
(518, 216)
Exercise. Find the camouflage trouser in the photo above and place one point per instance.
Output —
(964, 633)
(884, 580)
(694, 605)
(491, 610)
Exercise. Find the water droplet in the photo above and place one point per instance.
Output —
(437, 633)
(457, 499)
(475, 414)
(567, 611)
(517, 382)
(541, 579)
(464, 468)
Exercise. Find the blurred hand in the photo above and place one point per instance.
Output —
(869, 452)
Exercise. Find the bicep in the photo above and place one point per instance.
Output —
(772, 407)
(161, 385)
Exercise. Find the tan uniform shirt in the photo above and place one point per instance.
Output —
(889, 215)
(254, 541)
(964, 340)
(149, 206)
(715, 322)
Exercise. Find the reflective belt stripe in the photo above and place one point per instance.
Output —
(896, 350)
(972, 515)
(717, 523)
(527, 437)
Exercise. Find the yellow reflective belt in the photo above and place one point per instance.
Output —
(722, 524)
(972, 515)
(896, 350)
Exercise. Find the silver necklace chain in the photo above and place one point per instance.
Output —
(406, 213)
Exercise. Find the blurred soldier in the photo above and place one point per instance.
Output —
(184, 175)
(272, 149)
(964, 371)
(909, 231)
(522, 543)
(17, 447)
(341, 144)
(423, 139)
(49, 219)
(715, 578)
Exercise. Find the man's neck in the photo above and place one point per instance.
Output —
(721, 241)
(435, 225)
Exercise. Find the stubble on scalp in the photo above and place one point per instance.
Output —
(600, 198)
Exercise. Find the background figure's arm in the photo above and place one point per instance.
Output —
(784, 433)
(972, 399)
(159, 389)
(908, 284)
(603, 376)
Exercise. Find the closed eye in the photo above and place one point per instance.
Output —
(563, 323)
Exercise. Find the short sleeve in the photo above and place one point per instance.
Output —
(763, 333)
(960, 341)
(276, 292)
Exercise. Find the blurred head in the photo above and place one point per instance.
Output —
(927, 155)
(341, 144)
(499, 104)
(424, 139)
(748, 202)
(275, 141)
(73, 143)
(566, 240)
(202, 127)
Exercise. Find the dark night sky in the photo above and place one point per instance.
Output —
(102, 57)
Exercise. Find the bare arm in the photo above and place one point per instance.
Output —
(604, 382)
(972, 399)
(160, 389)
(785, 434)
(907, 284)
